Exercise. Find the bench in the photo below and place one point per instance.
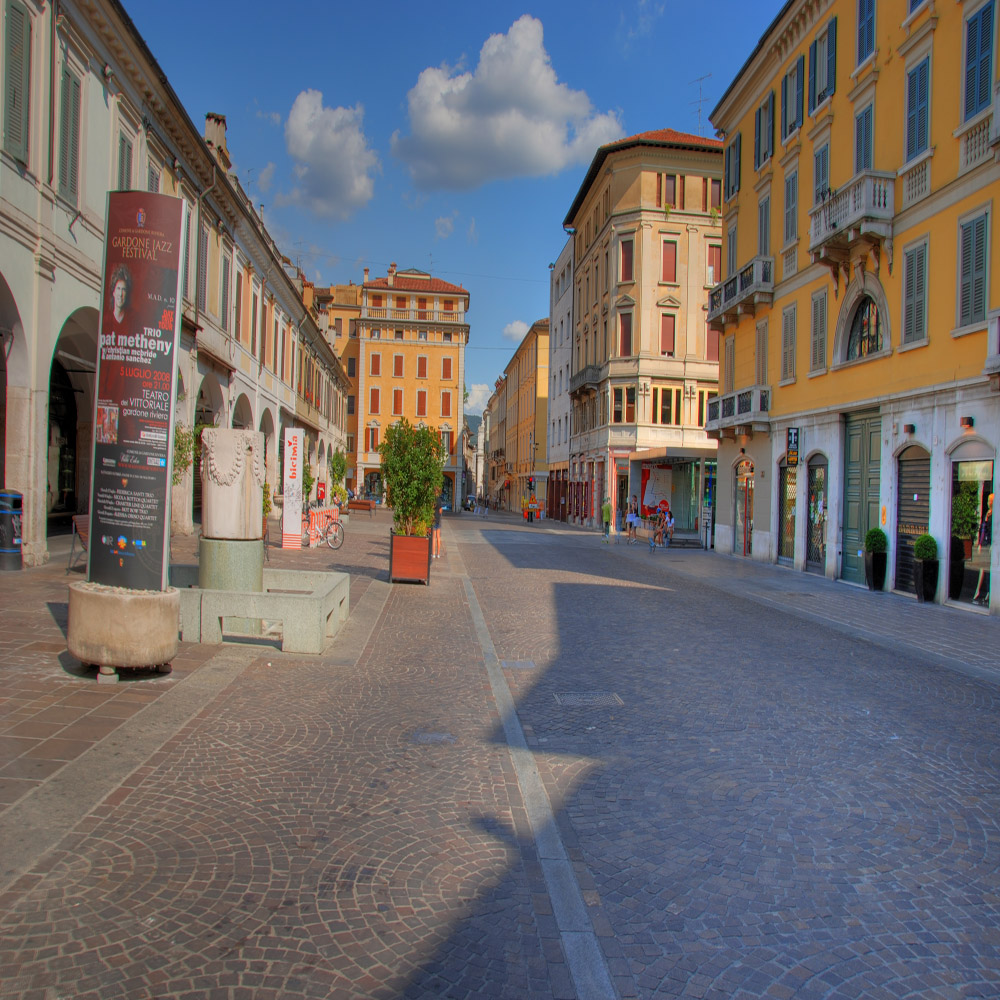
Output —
(360, 504)
(81, 534)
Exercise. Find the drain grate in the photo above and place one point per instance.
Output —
(430, 738)
(518, 664)
(588, 699)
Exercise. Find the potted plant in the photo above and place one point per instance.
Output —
(412, 465)
(925, 567)
(965, 515)
(876, 557)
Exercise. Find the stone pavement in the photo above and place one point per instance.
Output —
(564, 769)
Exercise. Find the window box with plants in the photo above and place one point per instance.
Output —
(876, 558)
(925, 567)
(412, 462)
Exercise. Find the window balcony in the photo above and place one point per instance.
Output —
(742, 292)
(741, 412)
(587, 379)
(976, 138)
(412, 315)
(861, 211)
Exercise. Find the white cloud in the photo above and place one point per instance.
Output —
(511, 117)
(265, 177)
(334, 166)
(479, 396)
(271, 117)
(445, 225)
(641, 23)
(515, 331)
(473, 234)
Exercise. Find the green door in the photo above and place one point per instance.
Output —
(862, 462)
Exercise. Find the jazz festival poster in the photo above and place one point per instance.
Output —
(136, 391)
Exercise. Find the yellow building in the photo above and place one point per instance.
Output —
(644, 361)
(526, 389)
(858, 307)
(410, 362)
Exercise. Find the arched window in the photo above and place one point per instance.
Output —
(866, 330)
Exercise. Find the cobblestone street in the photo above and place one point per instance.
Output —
(564, 770)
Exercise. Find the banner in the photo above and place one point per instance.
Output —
(291, 518)
(136, 391)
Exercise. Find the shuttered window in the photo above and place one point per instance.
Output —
(625, 335)
(792, 84)
(978, 60)
(760, 357)
(821, 173)
(866, 29)
(445, 404)
(187, 255)
(763, 132)
(817, 338)
(764, 227)
(375, 366)
(202, 267)
(917, 109)
(152, 179)
(421, 402)
(668, 325)
(972, 285)
(373, 401)
(421, 366)
(16, 80)
(124, 162)
(626, 255)
(915, 294)
(669, 266)
(446, 369)
(788, 344)
(823, 66)
(397, 366)
(69, 136)
(728, 376)
(863, 140)
(227, 265)
(397, 402)
(731, 166)
(791, 206)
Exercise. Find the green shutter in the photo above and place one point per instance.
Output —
(69, 136)
(17, 81)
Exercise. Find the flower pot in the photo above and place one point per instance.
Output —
(875, 564)
(925, 578)
(409, 559)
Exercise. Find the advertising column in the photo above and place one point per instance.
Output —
(136, 391)
(291, 518)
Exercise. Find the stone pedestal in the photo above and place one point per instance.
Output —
(232, 483)
(224, 564)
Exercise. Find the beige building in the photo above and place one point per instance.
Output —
(647, 248)
(526, 390)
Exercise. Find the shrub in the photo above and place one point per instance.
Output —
(924, 547)
(412, 464)
(876, 541)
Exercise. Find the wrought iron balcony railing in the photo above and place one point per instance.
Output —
(741, 292)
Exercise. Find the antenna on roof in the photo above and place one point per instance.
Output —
(701, 100)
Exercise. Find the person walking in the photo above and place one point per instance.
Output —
(606, 518)
(633, 520)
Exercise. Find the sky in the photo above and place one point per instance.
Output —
(450, 137)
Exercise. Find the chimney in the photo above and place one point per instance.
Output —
(366, 275)
(215, 136)
(392, 274)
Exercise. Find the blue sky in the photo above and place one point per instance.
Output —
(450, 137)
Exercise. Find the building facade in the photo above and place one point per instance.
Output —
(526, 386)
(858, 306)
(82, 117)
(497, 471)
(560, 357)
(645, 228)
(411, 337)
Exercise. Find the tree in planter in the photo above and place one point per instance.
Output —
(965, 514)
(925, 567)
(412, 465)
(876, 558)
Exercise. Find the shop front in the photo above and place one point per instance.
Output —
(970, 547)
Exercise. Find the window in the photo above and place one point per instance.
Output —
(760, 355)
(397, 335)
(863, 140)
(764, 227)
(202, 268)
(372, 433)
(792, 84)
(667, 401)
(915, 294)
(866, 330)
(446, 404)
(124, 162)
(668, 326)
(972, 272)
(401, 302)
(716, 186)
(788, 344)
(791, 207)
(397, 402)
(669, 265)
(421, 335)
(227, 265)
(375, 334)
(421, 402)
(350, 406)
(763, 132)
(238, 304)
(711, 344)
(152, 178)
(373, 400)
(669, 190)
(728, 375)
(187, 255)
(350, 443)
(397, 366)
(731, 166)
(421, 366)
(446, 441)
(626, 260)
(866, 29)
(731, 249)
(821, 173)
(17, 80)
(352, 367)
(714, 264)
(978, 60)
(623, 409)
(823, 66)
(446, 369)
(625, 335)
(817, 337)
(917, 109)
(375, 365)
(69, 136)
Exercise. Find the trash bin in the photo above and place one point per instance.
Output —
(10, 529)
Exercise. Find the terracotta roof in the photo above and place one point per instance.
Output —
(404, 284)
(657, 137)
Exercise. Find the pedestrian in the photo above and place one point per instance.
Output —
(436, 530)
(668, 526)
(633, 520)
(606, 518)
(659, 527)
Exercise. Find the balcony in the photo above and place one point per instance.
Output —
(412, 315)
(995, 119)
(742, 292)
(741, 412)
(860, 212)
(586, 379)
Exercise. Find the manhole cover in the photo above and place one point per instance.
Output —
(589, 699)
(518, 664)
(422, 737)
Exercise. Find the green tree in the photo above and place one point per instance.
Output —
(338, 467)
(412, 466)
(307, 482)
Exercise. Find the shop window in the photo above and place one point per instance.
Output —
(786, 512)
(971, 531)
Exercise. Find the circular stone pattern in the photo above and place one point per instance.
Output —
(117, 627)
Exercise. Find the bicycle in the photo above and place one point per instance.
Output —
(333, 534)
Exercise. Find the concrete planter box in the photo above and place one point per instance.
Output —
(409, 559)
